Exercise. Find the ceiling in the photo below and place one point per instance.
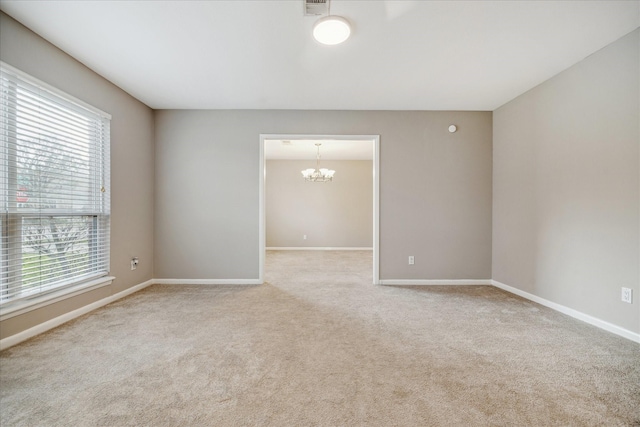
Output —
(403, 55)
(331, 149)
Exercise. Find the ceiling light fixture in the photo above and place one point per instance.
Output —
(331, 29)
(317, 174)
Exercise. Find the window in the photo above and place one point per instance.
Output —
(54, 191)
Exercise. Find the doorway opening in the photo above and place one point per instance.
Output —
(333, 147)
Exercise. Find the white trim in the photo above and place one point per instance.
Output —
(261, 212)
(289, 136)
(423, 282)
(376, 210)
(57, 321)
(315, 248)
(375, 139)
(208, 281)
(609, 327)
(25, 306)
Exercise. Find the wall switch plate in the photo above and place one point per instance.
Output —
(627, 295)
(412, 260)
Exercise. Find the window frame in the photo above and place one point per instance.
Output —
(11, 218)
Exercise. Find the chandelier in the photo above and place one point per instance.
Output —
(318, 174)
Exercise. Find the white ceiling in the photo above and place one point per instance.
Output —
(331, 149)
(403, 55)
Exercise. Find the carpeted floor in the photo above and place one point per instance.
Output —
(319, 345)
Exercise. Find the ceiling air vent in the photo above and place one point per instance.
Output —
(316, 7)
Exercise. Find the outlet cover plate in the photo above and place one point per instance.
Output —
(627, 295)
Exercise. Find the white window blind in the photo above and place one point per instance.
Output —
(54, 189)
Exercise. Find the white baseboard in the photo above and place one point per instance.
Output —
(50, 324)
(421, 282)
(57, 321)
(316, 248)
(208, 281)
(609, 327)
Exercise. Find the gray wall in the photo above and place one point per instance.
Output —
(566, 186)
(132, 163)
(334, 214)
(435, 189)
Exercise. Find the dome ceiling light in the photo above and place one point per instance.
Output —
(331, 29)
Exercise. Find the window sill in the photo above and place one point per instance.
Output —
(26, 306)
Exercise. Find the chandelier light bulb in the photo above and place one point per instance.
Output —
(331, 30)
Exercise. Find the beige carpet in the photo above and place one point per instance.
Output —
(320, 345)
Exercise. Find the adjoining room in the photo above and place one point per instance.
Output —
(321, 194)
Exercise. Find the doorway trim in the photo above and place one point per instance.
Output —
(375, 140)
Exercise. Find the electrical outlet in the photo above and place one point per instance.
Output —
(627, 295)
(304, 237)
(134, 263)
(412, 260)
